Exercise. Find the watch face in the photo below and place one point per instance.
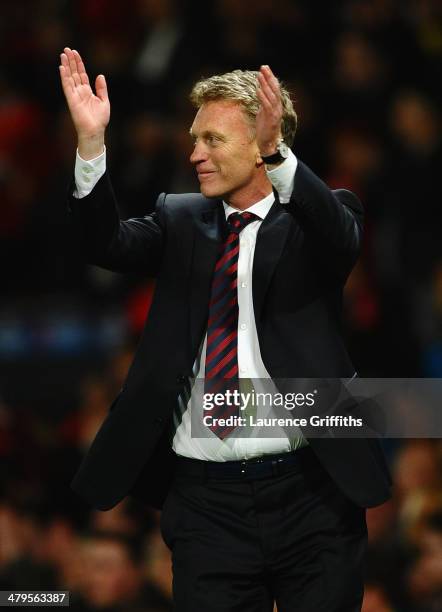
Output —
(283, 149)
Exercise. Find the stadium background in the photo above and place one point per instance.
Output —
(365, 77)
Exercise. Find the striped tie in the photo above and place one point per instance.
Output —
(222, 329)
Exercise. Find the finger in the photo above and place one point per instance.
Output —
(268, 93)
(101, 88)
(67, 52)
(76, 74)
(73, 66)
(271, 88)
(266, 105)
(270, 79)
(267, 72)
(81, 69)
(65, 63)
(69, 89)
(265, 102)
(66, 82)
(66, 73)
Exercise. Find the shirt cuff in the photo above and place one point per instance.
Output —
(87, 173)
(283, 177)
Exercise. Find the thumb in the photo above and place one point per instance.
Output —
(101, 88)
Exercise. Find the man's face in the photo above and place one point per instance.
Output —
(225, 154)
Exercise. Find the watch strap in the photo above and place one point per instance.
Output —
(272, 159)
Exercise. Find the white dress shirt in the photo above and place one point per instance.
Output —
(250, 364)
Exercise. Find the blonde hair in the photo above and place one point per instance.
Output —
(240, 86)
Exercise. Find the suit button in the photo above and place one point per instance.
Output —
(159, 420)
(181, 380)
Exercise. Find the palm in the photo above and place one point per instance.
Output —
(90, 112)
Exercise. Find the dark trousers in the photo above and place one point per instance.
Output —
(240, 546)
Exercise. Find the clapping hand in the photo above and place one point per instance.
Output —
(90, 112)
(268, 119)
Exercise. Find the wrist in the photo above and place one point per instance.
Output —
(90, 146)
(278, 156)
(268, 149)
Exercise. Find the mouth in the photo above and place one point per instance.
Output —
(202, 175)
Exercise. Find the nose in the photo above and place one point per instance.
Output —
(199, 153)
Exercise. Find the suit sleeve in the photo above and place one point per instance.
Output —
(334, 218)
(135, 245)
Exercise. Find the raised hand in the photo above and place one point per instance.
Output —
(268, 119)
(90, 112)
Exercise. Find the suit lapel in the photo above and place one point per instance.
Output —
(272, 236)
(209, 224)
(207, 241)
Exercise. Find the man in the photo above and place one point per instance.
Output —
(249, 285)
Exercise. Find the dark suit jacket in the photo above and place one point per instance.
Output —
(303, 255)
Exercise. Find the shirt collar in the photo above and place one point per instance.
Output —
(261, 208)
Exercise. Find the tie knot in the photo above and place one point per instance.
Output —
(238, 221)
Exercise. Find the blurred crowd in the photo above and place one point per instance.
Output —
(365, 78)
